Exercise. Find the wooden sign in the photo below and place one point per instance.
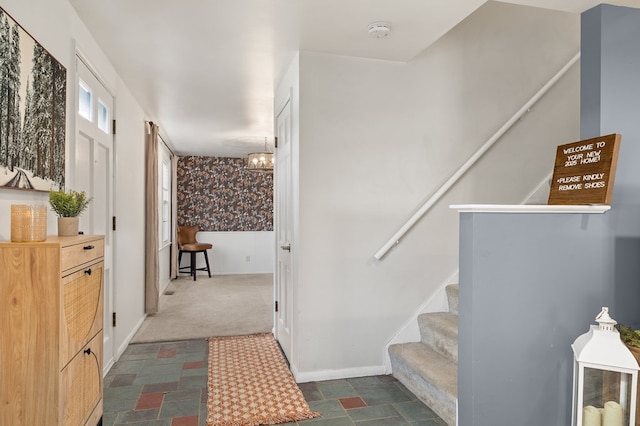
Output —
(584, 171)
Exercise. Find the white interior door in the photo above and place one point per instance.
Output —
(93, 153)
(284, 232)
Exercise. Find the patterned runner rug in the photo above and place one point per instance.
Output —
(250, 384)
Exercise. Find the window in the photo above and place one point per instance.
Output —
(103, 116)
(166, 202)
(85, 101)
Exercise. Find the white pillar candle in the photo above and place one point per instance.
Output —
(591, 416)
(613, 414)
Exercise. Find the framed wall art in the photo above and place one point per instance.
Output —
(33, 93)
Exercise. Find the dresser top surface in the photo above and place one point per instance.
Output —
(54, 240)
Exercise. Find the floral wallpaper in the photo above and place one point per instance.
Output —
(220, 194)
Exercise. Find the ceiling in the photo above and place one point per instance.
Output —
(206, 70)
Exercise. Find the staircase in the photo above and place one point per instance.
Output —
(429, 368)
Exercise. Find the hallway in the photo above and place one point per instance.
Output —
(165, 384)
(223, 305)
(161, 378)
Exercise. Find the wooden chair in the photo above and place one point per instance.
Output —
(187, 243)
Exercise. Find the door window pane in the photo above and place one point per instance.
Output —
(85, 101)
(103, 117)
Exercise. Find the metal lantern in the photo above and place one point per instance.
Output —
(605, 377)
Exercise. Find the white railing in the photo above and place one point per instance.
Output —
(395, 239)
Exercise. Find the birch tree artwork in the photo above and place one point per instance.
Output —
(32, 112)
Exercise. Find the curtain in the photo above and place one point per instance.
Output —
(174, 216)
(152, 247)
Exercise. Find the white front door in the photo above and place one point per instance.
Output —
(284, 231)
(93, 152)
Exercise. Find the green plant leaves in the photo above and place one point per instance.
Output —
(629, 336)
(68, 204)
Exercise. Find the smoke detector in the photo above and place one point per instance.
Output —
(379, 29)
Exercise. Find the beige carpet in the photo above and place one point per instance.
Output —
(224, 305)
(250, 384)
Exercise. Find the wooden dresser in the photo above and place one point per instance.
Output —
(51, 331)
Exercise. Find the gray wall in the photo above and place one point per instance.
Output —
(610, 103)
(531, 283)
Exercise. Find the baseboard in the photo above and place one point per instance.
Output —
(129, 338)
(165, 285)
(213, 273)
(346, 373)
(219, 273)
(106, 368)
(540, 194)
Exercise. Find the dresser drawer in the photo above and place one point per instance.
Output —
(82, 385)
(81, 313)
(79, 254)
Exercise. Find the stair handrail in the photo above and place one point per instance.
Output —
(426, 206)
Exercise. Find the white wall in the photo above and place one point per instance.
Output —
(392, 133)
(57, 28)
(130, 213)
(237, 252)
(164, 269)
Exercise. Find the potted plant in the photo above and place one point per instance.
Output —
(68, 205)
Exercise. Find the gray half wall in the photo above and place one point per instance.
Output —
(529, 285)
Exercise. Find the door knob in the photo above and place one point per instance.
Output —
(287, 248)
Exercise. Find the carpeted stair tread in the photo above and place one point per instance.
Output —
(439, 330)
(452, 297)
(429, 364)
(431, 376)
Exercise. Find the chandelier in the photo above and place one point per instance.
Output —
(261, 161)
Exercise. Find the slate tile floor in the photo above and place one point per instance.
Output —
(165, 384)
